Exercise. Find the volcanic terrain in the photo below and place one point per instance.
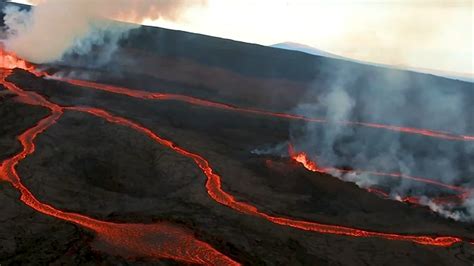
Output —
(151, 159)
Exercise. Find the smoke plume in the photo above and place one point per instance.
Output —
(54, 27)
(391, 97)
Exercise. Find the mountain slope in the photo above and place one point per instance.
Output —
(314, 51)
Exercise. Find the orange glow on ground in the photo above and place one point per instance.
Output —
(180, 244)
(196, 101)
(311, 165)
(131, 240)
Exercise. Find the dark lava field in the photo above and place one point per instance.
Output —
(117, 179)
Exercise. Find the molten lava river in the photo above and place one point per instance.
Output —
(171, 241)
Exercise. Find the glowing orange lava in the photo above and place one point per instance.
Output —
(303, 159)
(132, 240)
(217, 105)
(11, 61)
(214, 189)
(178, 244)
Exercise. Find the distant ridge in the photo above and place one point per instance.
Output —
(306, 49)
(314, 51)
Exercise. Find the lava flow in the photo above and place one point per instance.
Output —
(182, 246)
(215, 191)
(133, 240)
(11, 61)
(196, 101)
(303, 159)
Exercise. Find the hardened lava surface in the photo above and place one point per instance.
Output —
(86, 165)
(157, 164)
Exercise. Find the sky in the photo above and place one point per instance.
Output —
(432, 34)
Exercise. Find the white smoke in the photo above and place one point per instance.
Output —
(54, 27)
(394, 98)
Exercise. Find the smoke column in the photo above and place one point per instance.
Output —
(400, 98)
(55, 27)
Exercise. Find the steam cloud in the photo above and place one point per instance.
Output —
(394, 98)
(54, 27)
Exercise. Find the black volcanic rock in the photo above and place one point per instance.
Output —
(110, 172)
(118, 174)
(26, 236)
